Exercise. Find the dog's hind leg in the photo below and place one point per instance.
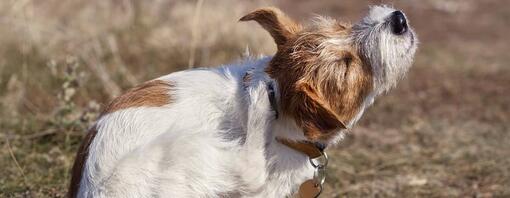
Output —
(252, 158)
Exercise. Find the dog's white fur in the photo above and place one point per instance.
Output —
(217, 138)
(191, 148)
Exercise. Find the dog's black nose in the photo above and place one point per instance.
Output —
(398, 23)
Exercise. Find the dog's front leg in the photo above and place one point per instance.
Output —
(253, 160)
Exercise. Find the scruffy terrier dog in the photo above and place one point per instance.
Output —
(248, 129)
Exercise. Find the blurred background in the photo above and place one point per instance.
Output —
(443, 132)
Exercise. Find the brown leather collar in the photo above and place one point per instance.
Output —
(312, 150)
(309, 188)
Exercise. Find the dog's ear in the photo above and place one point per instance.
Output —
(279, 25)
(317, 117)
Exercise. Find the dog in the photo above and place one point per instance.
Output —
(247, 129)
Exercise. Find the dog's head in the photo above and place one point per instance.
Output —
(328, 70)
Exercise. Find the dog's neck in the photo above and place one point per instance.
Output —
(284, 126)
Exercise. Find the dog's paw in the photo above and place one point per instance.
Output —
(260, 102)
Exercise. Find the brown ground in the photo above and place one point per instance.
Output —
(442, 133)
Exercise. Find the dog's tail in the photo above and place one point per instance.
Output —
(79, 163)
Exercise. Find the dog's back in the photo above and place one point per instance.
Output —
(161, 116)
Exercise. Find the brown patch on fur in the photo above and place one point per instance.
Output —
(152, 94)
(322, 80)
(79, 162)
(275, 22)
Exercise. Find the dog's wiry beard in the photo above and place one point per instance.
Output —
(396, 57)
(389, 55)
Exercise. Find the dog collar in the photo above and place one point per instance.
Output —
(318, 159)
(272, 98)
(312, 150)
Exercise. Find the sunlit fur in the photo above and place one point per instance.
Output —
(216, 135)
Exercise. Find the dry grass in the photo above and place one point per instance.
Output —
(442, 133)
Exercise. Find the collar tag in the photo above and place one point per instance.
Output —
(309, 189)
(318, 159)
